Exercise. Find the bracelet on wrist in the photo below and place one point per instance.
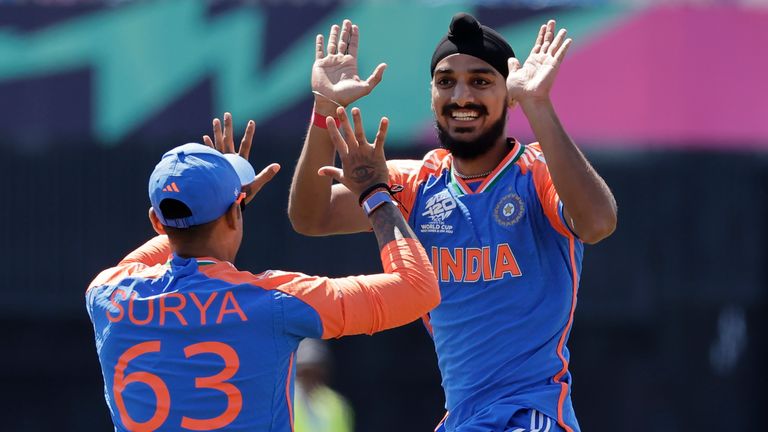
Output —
(376, 200)
(376, 187)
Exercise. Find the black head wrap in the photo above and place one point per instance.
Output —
(467, 36)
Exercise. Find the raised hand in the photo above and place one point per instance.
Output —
(535, 78)
(224, 142)
(335, 74)
(362, 164)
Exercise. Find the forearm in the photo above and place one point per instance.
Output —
(310, 195)
(407, 290)
(388, 225)
(586, 197)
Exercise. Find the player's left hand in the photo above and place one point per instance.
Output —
(224, 142)
(535, 78)
(363, 164)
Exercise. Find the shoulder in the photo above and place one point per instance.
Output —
(268, 280)
(432, 163)
(531, 158)
(115, 275)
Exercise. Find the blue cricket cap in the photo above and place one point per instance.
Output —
(200, 177)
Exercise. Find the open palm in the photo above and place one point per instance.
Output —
(536, 77)
(335, 73)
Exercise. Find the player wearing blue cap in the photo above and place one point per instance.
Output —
(187, 341)
(504, 226)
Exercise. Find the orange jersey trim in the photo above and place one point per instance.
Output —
(146, 261)
(288, 391)
(532, 160)
(561, 343)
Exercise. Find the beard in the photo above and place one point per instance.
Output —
(479, 146)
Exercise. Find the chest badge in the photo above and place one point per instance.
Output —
(509, 210)
(437, 209)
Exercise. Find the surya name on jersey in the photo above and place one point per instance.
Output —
(463, 264)
(172, 308)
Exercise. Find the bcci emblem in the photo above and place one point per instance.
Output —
(509, 210)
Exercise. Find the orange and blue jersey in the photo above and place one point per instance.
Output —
(508, 267)
(195, 344)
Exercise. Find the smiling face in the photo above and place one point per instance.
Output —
(469, 99)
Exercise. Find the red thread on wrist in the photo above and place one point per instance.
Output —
(319, 120)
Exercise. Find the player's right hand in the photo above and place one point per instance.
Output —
(224, 141)
(362, 164)
(334, 73)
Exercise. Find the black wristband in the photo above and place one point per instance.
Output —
(392, 190)
(370, 189)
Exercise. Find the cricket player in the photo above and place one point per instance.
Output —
(186, 341)
(504, 222)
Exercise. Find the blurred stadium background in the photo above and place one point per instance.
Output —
(666, 97)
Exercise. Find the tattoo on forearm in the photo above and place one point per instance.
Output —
(363, 174)
(388, 224)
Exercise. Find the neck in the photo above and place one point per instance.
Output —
(485, 162)
(202, 250)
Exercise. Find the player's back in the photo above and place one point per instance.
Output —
(193, 344)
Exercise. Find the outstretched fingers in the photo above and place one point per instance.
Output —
(228, 138)
(354, 41)
(262, 178)
(332, 172)
(333, 39)
(346, 33)
(218, 135)
(319, 47)
(381, 136)
(376, 76)
(245, 144)
(359, 129)
(346, 126)
(338, 141)
(560, 54)
(557, 42)
(539, 39)
(548, 36)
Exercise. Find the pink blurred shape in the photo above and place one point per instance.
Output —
(683, 77)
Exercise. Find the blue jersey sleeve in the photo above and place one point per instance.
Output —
(298, 318)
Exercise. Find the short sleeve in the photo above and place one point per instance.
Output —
(404, 173)
(546, 192)
(411, 173)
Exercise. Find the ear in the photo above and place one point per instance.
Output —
(512, 104)
(432, 96)
(233, 215)
(156, 225)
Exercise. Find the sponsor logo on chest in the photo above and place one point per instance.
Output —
(437, 210)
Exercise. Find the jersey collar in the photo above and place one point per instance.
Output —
(460, 187)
